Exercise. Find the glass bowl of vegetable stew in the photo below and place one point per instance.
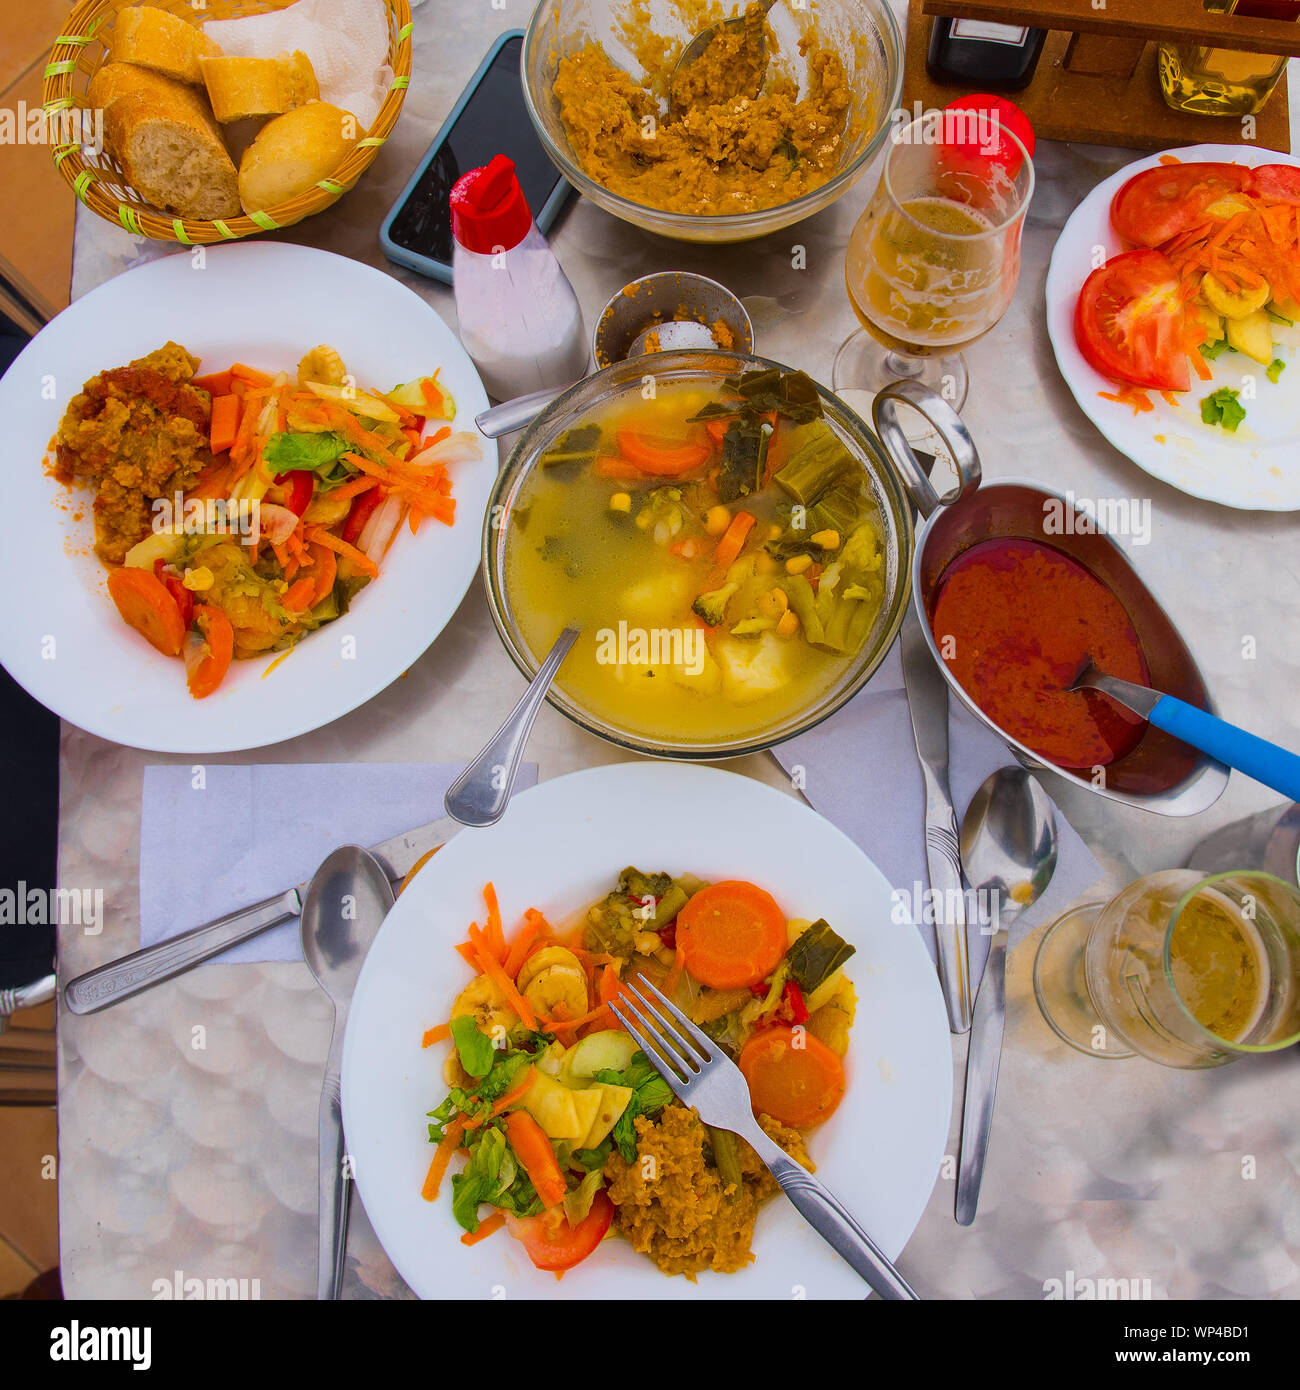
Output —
(729, 536)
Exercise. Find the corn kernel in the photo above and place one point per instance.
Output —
(199, 580)
(620, 502)
(796, 564)
(789, 624)
(716, 520)
(828, 540)
(773, 532)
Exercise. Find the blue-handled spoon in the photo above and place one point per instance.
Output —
(1266, 762)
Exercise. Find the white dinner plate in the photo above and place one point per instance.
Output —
(265, 304)
(1256, 468)
(559, 847)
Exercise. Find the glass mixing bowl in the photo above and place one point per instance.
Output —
(863, 33)
(703, 368)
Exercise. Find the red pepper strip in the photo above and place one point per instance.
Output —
(364, 504)
(668, 934)
(184, 598)
(794, 997)
(299, 485)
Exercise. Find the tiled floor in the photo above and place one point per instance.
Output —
(29, 1226)
(36, 253)
(36, 228)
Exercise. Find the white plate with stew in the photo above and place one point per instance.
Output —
(559, 848)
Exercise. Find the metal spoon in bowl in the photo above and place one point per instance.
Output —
(1008, 848)
(346, 903)
(480, 795)
(697, 46)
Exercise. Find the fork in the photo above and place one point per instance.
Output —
(701, 1075)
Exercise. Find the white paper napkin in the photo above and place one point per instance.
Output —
(859, 770)
(346, 40)
(216, 838)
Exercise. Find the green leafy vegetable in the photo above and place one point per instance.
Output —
(816, 954)
(1212, 350)
(1222, 407)
(313, 453)
(476, 1051)
(650, 1093)
(1275, 369)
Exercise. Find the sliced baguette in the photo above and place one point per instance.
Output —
(155, 39)
(115, 80)
(172, 157)
(242, 87)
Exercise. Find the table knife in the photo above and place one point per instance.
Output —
(927, 702)
(120, 979)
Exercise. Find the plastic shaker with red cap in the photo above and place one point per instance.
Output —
(519, 318)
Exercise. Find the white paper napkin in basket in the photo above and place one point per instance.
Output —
(346, 40)
(217, 838)
(859, 770)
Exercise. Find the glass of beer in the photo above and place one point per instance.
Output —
(1182, 968)
(933, 262)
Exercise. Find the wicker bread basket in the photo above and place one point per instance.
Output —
(99, 181)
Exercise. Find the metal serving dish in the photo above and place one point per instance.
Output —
(1161, 773)
(705, 367)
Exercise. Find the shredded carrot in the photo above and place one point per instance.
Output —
(488, 1226)
(451, 1138)
(321, 536)
(516, 1092)
(436, 1035)
(495, 935)
(466, 950)
(354, 488)
(524, 938)
(491, 967)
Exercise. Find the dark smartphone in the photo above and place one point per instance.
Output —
(489, 118)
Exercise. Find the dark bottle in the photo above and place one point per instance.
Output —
(979, 55)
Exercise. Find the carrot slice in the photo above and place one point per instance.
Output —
(533, 1149)
(793, 1076)
(297, 598)
(451, 1137)
(215, 383)
(250, 374)
(660, 458)
(733, 540)
(145, 604)
(731, 934)
(224, 423)
(488, 1226)
(207, 661)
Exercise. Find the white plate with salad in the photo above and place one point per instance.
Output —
(266, 306)
(1171, 296)
(560, 848)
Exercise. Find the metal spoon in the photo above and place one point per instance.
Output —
(695, 49)
(1008, 848)
(1266, 762)
(480, 795)
(346, 903)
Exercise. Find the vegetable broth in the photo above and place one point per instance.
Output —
(633, 557)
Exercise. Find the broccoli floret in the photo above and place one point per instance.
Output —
(712, 605)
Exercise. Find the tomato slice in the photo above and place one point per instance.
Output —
(552, 1244)
(1281, 182)
(1130, 323)
(1158, 204)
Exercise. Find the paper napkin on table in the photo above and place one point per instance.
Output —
(860, 771)
(346, 40)
(248, 832)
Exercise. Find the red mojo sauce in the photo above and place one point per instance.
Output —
(1015, 620)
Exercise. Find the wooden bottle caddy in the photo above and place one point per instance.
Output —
(1096, 79)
